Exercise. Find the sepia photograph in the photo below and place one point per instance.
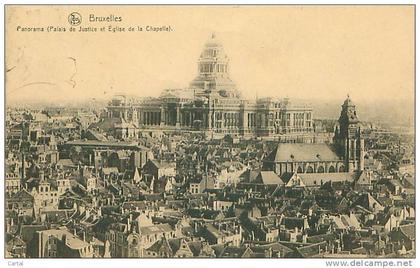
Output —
(210, 131)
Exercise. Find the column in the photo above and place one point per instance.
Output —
(214, 119)
(223, 120)
(209, 120)
(178, 116)
(182, 118)
(162, 116)
(140, 118)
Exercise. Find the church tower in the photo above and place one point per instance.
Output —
(348, 139)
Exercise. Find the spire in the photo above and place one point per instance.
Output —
(348, 101)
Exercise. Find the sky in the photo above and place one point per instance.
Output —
(303, 52)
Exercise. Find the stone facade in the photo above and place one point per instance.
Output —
(346, 154)
(212, 103)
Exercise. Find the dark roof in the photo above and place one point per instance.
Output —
(268, 177)
(22, 195)
(27, 232)
(409, 231)
(158, 245)
(320, 238)
(368, 202)
(162, 164)
(233, 252)
(276, 247)
(140, 205)
(292, 222)
(311, 250)
(105, 124)
(155, 229)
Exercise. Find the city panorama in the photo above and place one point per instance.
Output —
(200, 172)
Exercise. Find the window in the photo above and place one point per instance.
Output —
(309, 170)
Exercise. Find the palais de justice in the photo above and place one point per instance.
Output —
(212, 103)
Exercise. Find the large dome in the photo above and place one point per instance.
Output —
(213, 68)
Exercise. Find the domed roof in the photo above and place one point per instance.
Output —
(213, 68)
(213, 42)
(348, 101)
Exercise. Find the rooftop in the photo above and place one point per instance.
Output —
(302, 152)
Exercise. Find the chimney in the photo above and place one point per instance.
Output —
(41, 175)
(304, 238)
(270, 252)
(129, 220)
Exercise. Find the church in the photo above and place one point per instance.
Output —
(213, 104)
(341, 160)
